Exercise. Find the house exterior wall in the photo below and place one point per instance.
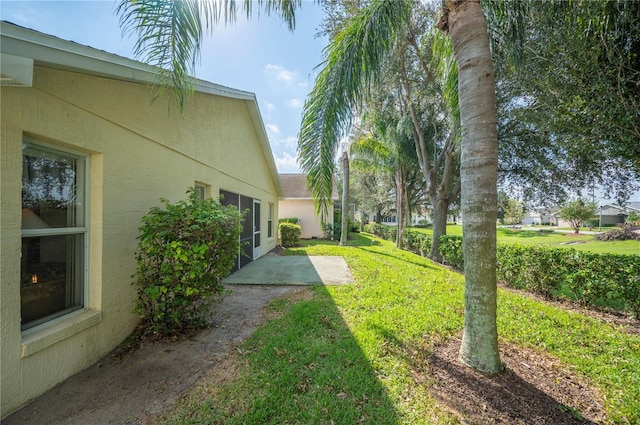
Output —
(303, 210)
(138, 152)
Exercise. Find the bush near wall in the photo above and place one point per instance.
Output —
(184, 250)
(289, 234)
(292, 220)
(592, 279)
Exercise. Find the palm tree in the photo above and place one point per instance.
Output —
(170, 32)
(466, 24)
(384, 147)
(353, 62)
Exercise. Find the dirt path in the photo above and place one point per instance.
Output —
(143, 384)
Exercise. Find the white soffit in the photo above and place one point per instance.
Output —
(15, 70)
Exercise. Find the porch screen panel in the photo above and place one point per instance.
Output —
(246, 237)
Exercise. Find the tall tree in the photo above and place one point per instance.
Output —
(466, 23)
(563, 132)
(420, 82)
(430, 94)
(383, 148)
(354, 59)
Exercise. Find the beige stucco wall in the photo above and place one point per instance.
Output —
(303, 210)
(138, 152)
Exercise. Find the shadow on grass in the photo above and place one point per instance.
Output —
(522, 393)
(517, 395)
(302, 367)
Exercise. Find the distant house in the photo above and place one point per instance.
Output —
(613, 214)
(607, 215)
(298, 203)
(84, 154)
(538, 217)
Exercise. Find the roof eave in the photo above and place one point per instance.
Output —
(48, 50)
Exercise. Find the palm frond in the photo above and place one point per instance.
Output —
(169, 33)
(447, 69)
(353, 62)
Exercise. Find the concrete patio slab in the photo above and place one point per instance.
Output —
(293, 270)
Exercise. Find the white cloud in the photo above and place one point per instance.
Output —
(272, 130)
(291, 143)
(287, 163)
(295, 103)
(278, 142)
(281, 73)
(269, 107)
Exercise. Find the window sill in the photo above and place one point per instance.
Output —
(44, 336)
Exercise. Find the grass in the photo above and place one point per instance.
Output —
(579, 242)
(346, 354)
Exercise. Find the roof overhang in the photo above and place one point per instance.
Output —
(23, 48)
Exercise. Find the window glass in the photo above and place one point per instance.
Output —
(200, 191)
(53, 234)
(270, 221)
(50, 196)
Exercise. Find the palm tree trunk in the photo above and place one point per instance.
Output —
(345, 199)
(478, 173)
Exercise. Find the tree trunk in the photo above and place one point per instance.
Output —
(345, 199)
(400, 211)
(440, 208)
(478, 173)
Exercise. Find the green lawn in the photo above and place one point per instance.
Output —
(534, 237)
(355, 353)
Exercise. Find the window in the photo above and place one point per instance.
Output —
(54, 234)
(201, 191)
(270, 221)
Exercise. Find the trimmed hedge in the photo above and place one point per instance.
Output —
(589, 278)
(289, 234)
(382, 231)
(292, 220)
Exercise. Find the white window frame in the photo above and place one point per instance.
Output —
(270, 222)
(201, 189)
(83, 229)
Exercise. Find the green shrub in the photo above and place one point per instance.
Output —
(417, 242)
(589, 278)
(592, 279)
(451, 251)
(332, 231)
(291, 220)
(382, 231)
(184, 250)
(373, 228)
(536, 269)
(605, 279)
(289, 234)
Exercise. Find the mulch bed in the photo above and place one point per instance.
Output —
(533, 389)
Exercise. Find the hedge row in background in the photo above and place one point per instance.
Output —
(611, 280)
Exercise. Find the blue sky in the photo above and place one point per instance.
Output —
(261, 56)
